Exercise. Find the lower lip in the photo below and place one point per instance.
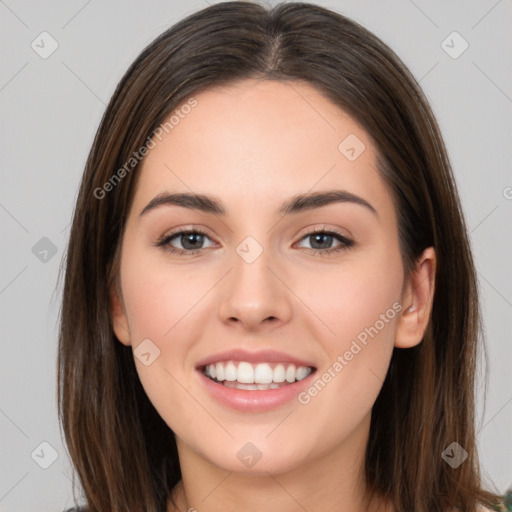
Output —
(254, 400)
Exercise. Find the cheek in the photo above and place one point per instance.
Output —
(160, 308)
(157, 298)
(163, 305)
(359, 305)
(359, 294)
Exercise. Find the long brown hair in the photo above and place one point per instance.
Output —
(124, 453)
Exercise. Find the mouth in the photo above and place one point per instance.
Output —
(250, 376)
(254, 382)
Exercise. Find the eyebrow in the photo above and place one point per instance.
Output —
(296, 204)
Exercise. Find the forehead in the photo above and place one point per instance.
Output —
(257, 142)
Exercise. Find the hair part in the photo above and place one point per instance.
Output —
(124, 453)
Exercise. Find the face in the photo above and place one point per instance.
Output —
(312, 296)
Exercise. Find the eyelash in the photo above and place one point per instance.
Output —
(346, 243)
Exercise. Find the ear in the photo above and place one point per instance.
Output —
(417, 299)
(118, 315)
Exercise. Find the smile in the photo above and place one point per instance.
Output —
(254, 381)
(259, 376)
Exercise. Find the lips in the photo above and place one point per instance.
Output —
(254, 380)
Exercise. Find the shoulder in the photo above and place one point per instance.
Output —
(502, 506)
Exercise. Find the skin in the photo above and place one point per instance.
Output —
(253, 145)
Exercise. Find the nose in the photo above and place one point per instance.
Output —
(255, 294)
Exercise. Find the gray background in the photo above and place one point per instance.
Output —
(51, 109)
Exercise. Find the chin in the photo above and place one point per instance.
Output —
(251, 460)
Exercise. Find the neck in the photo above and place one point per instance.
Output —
(332, 481)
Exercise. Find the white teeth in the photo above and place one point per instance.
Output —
(230, 372)
(245, 373)
(219, 370)
(279, 373)
(238, 385)
(290, 373)
(302, 372)
(261, 375)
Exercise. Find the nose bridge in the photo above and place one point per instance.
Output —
(253, 292)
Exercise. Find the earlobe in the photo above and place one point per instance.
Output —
(417, 301)
(118, 316)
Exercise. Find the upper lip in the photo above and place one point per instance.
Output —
(260, 356)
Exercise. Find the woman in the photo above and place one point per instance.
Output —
(209, 360)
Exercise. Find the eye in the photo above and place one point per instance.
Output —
(190, 240)
(324, 238)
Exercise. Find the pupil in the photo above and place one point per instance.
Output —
(329, 237)
(190, 237)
